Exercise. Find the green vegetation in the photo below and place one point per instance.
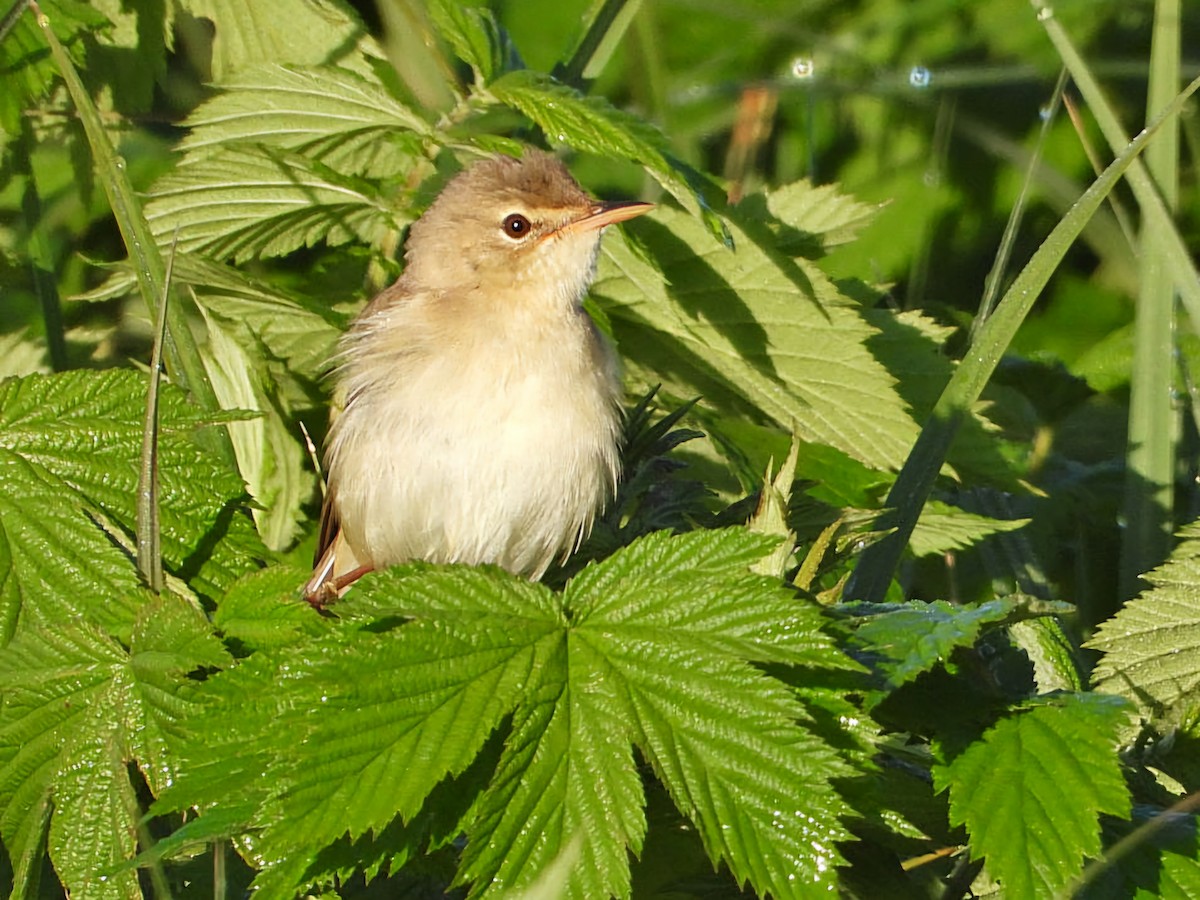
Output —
(865, 615)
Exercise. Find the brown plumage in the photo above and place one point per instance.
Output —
(481, 419)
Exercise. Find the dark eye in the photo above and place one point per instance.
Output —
(516, 226)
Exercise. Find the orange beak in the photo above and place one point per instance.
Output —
(602, 214)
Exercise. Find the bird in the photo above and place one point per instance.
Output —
(481, 417)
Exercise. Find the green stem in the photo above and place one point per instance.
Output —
(180, 351)
(1153, 422)
(598, 42)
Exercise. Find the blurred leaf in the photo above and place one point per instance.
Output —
(1152, 646)
(298, 32)
(26, 70)
(1031, 790)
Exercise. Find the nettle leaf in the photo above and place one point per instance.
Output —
(943, 528)
(332, 115)
(69, 445)
(753, 327)
(347, 736)
(249, 201)
(923, 635)
(1031, 790)
(1152, 646)
(78, 708)
(593, 125)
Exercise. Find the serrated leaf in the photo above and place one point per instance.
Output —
(249, 201)
(77, 710)
(335, 116)
(262, 609)
(264, 319)
(820, 211)
(567, 779)
(751, 327)
(298, 32)
(943, 528)
(347, 735)
(1152, 646)
(923, 635)
(71, 443)
(1030, 791)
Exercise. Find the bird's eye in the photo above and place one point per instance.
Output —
(516, 226)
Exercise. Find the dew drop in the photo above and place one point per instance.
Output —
(803, 67)
(1045, 14)
(919, 77)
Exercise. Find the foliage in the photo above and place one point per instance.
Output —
(699, 702)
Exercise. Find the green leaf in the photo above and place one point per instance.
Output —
(331, 115)
(477, 38)
(752, 327)
(25, 69)
(1031, 790)
(922, 635)
(271, 460)
(346, 736)
(943, 528)
(297, 32)
(261, 610)
(823, 212)
(263, 318)
(71, 443)
(77, 710)
(1152, 646)
(249, 201)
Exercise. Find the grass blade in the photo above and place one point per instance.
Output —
(149, 544)
(912, 487)
(1153, 422)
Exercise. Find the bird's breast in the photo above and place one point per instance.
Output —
(477, 444)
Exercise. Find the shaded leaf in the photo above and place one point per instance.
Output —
(943, 528)
(751, 327)
(923, 635)
(244, 202)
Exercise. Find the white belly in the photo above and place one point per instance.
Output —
(461, 460)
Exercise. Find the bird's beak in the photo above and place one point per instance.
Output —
(602, 214)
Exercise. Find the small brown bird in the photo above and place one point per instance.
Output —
(481, 416)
